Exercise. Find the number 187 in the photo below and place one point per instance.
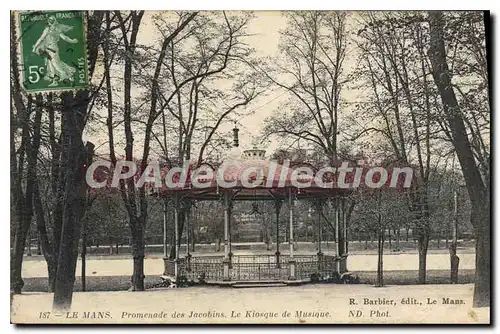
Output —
(44, 315)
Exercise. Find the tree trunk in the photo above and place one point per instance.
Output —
(110, 246)
(70, 186)
(478, 191)
(68, 250)
(454, 260)
(38, 246)
(28, 244)
(130, 193)
(16, 174)
(16, 261)
(83, 256)
(75, 195)
(47, 247)
(137, 233)
(398, 238)
(423, 245)
(24, 204)
(481, 219)
(423, 233)
(380, 262)
(192, 234)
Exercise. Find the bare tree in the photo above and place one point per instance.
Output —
(173, 76)
(213, 62)
(70, 156)
(310, 69)
(477, 187)
(23, 162)
(397, 72)
(212, 59)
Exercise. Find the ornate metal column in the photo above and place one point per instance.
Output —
(343, 260)
(227, 257)
(267, 226)
(290, 238)
(187, 217)
(339, 230)
(319, 208)
(230, 219)
(165, 231)
(277, 208)
(177, 234)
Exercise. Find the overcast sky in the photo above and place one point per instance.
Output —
(264, 36)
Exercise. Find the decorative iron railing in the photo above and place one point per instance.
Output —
(255, 268)
(204, 269)
(329, 266)
(316, 268)
(258, 268)
(300, 258)
(169, 267)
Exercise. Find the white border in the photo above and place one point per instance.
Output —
(262, 5)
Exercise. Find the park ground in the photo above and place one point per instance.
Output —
(108, 301)
(112, 272)
(314, 303)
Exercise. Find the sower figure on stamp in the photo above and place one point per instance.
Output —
(46, 46)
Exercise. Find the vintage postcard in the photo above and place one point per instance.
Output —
(250, 167)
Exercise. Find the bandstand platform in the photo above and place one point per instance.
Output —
(230, 268)
(254, 269)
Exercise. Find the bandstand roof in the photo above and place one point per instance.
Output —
(276, 181)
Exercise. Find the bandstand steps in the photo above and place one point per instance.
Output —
(258, 284)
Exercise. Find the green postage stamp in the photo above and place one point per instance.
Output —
(53, 51)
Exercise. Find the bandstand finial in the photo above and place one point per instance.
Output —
(255, 142)
(236, 141)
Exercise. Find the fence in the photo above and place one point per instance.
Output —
(170, 267)
(206, 268)
(254, 268)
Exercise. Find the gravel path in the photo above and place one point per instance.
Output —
(102, 266)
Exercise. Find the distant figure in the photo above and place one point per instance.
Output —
(47, 47)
